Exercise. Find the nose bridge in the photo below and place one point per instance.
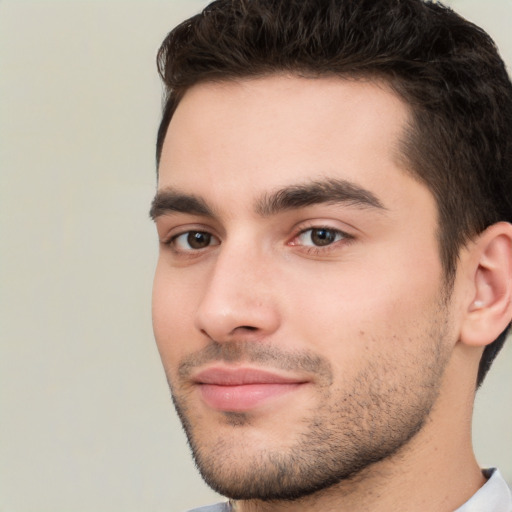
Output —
(238, 294)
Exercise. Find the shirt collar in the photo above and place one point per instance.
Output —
(493, 496)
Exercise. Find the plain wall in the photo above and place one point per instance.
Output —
(86, 422)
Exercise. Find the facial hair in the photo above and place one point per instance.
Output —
(352, 427)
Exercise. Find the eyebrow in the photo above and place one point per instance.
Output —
(293, 197)
(329, 191)
(169, 200)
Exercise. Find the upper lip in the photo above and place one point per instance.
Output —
(242, 376)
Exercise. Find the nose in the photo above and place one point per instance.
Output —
(239, 300)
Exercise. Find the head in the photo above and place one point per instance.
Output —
(440, 84)
(447, 70)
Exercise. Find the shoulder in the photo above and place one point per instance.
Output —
(219, 507)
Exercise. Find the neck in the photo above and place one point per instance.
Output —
(435, 470)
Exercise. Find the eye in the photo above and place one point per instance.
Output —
(193, 241)
(319, 237)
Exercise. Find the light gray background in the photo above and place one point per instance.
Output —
(86, 423)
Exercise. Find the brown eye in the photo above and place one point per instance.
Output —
(193, 241)
(320, 237)
(323, 236)
(198, 239)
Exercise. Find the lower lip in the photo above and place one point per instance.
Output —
(243, 397)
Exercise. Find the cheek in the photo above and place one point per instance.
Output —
(173, 306)
(367, 305)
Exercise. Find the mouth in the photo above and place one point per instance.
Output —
(243, 389)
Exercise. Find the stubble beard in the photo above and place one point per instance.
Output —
(350, 430)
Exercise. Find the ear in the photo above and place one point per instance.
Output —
(488, 305)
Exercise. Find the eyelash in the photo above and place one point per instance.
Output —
(319, 249)
(172, 242)
(339, 236)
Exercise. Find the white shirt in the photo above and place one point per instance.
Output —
(493, 496)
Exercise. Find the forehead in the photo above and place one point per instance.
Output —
(243, 138)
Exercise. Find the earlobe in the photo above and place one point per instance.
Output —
(489, 308)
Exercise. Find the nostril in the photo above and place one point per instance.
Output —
(248, 327)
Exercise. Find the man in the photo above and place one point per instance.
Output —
(335, 270)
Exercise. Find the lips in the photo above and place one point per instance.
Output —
(242, 389)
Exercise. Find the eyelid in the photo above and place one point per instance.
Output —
(171, 234)
(338, 234)
(168, 231)
(189, 231)
(319, 250)
(182, 252)
(303, 227)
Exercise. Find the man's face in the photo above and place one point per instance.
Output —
(299, 305)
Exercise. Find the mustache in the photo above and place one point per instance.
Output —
(266, 356)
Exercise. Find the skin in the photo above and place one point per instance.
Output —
(365, 323)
